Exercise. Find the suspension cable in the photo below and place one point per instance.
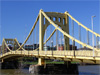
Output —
(56, 38)
(50, 38)
(46, 42)
(72, 32)
(36, 36)
(80, 34)
(88, 37)
(61, 41)
(52, 41)
(33, 39)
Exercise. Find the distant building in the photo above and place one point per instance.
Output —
(61, 47)
(31, 47)
(98, 46)
(20, 43)
(48, 48)
(73, 47)
(45, 48)
(10, 46)
(84, 48)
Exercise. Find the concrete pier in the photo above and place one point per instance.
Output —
(54, 69)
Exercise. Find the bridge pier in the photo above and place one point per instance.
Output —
(54, 69)
(41, 61)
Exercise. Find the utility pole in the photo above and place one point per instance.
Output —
(92, 34)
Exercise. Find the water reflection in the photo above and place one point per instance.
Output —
(89, 70)
(14, 72)
(83, 70)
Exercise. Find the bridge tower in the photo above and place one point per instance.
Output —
(61, 19)
(41, 21)
(9, 45)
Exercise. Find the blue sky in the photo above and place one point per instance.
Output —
(15, 16)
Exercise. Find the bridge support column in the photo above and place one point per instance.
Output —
(2, 61)
(66, 29)
(68, 63)
(41, 23)
(41, 61)
(54, 69)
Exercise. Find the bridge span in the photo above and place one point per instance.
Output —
(49, 29)
(76, 56)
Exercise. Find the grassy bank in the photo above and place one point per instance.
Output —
(30, 61)
(47, 62)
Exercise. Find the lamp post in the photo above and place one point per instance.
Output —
(92, 34)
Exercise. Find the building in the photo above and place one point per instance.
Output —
(46, 48)
(61, 47)
(98, 46)
(73, 47)
(84, 48)
(31, 47)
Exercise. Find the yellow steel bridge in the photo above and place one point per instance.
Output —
(60, 22)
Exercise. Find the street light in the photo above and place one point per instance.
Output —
(92, 33)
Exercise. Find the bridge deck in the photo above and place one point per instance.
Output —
(85, 56)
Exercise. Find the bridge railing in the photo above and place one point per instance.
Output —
(84, 53)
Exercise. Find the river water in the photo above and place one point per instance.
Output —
(89, 70)
(83, 70)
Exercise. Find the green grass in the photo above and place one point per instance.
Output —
(55, 62)
(74, 62)
(47, 62)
